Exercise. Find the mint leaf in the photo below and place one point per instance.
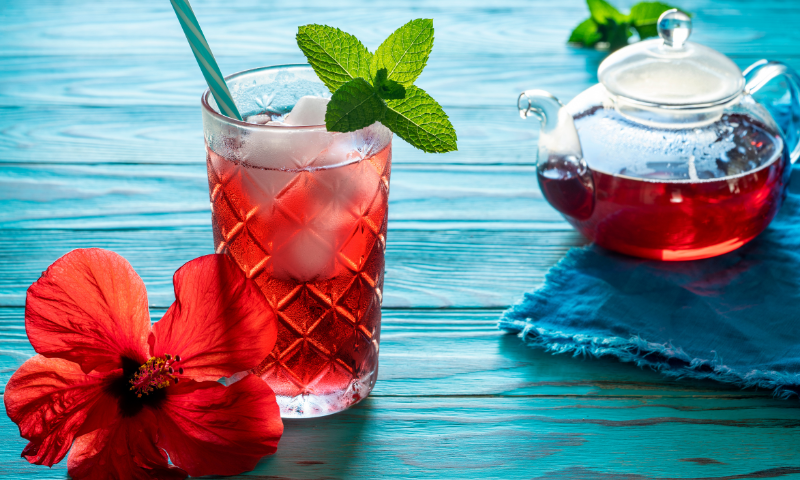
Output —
(612, 25)
(420, 121)
(644, 17)
(388, 89)
(337, 57)
(608, 27)
(405, 53)
(616, 34)
(586, 33)
(603, 12)
(353, 106)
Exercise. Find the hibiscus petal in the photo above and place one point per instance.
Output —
(209, 429)
(89, 307)
(220, 323)
(125, 449)
(50, 399)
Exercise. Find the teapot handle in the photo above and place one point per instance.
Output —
(762, 72)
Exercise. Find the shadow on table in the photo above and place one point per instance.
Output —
(542, 372)
(317, 448)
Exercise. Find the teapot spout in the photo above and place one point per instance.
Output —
(564, 177)
(558, 136)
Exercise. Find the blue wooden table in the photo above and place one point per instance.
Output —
(101, 145)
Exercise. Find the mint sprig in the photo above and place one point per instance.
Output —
(371, 88)
(610, 28)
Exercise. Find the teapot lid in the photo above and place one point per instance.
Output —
(670, 72)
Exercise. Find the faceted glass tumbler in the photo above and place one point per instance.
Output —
(303, 211)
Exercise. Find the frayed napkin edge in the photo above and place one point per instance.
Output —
(664, 358)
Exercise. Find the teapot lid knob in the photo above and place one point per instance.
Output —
(671, 72)
(674, 27)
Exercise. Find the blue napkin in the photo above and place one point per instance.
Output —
(733, 318)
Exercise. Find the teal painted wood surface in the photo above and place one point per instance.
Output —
(101, 145)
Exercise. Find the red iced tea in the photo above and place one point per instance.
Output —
(313, 239)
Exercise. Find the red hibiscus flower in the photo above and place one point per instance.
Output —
(127, 394)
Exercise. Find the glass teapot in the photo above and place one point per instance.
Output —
(669, 157)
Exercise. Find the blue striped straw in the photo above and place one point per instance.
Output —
(205, 59)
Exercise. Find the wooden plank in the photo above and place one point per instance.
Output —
(457, 352)
(423, 268)
(50, 27)
(174, 135)
(160, 82)
(501, 438)
(167, 196)
(146, 82)
(488, 84)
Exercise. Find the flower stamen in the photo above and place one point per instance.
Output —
(155, 374)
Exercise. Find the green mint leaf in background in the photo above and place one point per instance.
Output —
(644, 17)
(337, 57)
(405, 53)
(388, 89)
(615, 34)
(603, 11)
(420, 120)
(612, 25)
(586, 33)
(609, 28)
(353, 106)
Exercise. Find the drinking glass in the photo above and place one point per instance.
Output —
(303, 212)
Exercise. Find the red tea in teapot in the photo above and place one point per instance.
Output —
(669, 156)
(680, 201)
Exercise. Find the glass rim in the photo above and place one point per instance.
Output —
(241, 123)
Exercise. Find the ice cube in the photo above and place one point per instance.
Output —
(304, 256)
(284, 148)
(342, 150)
(308, 111)
(259, 119)
(347, 192)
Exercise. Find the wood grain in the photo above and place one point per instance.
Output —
(101, 145)
(133, 54)
(173, 196)
(174, 135)
(460, 353)
(501, 438)
(433, 269)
